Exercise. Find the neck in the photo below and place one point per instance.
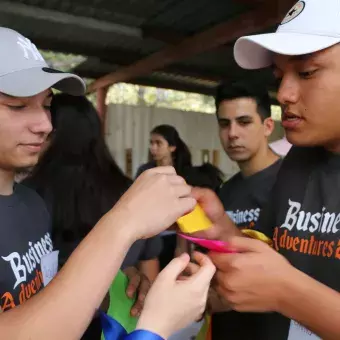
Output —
(6, 182)
(166, 161)
(334, 147)
(262, 160)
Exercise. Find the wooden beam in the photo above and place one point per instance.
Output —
(102, 107)
(170, 37)
(248, 23)
(176, 69)
(161, 83)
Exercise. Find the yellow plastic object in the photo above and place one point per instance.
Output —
(195, 221)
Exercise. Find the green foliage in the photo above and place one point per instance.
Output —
(129, 94)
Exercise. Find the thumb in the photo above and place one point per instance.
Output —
(172, 271)
(246, 245)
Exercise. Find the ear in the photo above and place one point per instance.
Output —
(172, 148)
(269, 126)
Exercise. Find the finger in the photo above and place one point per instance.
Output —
(176, 180)
(186, 205)
(182, 190)
(223, 262)
(192, 268)
(183, 278)
(167, 170)
(246, 244)
(175, 268)
(206, 270)
(134, 282)
(142, 292)
(202, 194)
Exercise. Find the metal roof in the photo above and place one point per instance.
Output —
(117, 33)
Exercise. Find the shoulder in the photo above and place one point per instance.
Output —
(30, 197)
(300, 160)
(231, 182)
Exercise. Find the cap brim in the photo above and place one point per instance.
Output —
(29, 82)
(254, 52)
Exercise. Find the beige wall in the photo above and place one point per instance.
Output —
(128, 127)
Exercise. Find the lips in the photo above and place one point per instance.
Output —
(290, 120)
(33, 147)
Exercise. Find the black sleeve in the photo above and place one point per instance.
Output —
(152, 249)
(141, 169)
(266, 222)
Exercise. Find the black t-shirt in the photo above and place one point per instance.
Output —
(243, 199)
(25, 239)
(303, 219)
(144, 167)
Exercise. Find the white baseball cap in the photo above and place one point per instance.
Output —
(308, 27)
(25, 73)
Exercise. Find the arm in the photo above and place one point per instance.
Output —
(150, 268)
(258, 279)
(65, 308)
(312, 304)
(149, 263)
(48, 315)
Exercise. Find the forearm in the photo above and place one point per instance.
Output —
(150, 269)
(66, 306)
(312, 304)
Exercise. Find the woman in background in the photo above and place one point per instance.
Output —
(80, 182)
(167, 148)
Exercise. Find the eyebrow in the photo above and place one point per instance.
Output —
(237, 118)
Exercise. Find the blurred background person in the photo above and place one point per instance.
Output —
(80, 182)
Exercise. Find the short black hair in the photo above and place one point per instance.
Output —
(237, 90)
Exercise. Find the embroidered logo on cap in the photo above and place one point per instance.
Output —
(29, 49)
(294, 12)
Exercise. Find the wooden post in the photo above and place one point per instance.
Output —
(102, 107)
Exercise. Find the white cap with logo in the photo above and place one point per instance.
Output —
(24, 72)
(310, 26)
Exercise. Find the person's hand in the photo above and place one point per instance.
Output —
(139, 286)
(215, 303)
(223, 227)
(173, 304)
(155, 201)
(252, 280)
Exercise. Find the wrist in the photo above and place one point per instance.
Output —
(152, 326)
(287, 290)
(122, 223)
(143, 334)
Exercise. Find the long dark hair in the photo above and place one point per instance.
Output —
(181, 157)
(204, 176)
(77, 176)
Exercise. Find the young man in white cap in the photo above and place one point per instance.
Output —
(66, 306)
(299, 277)
(25, 97)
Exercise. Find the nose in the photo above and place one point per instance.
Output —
(288, 92)
(153, 147)
(233, 131)
(42, 122)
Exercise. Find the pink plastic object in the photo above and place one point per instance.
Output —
(213, 245)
